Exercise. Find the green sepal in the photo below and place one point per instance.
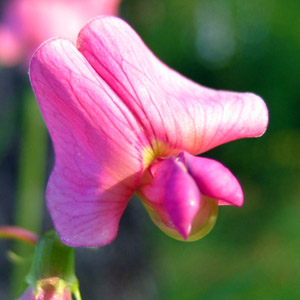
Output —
(53, 259)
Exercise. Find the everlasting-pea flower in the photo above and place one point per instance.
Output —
(122, 122)
(27, 23)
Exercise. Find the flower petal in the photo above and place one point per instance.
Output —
(28, 294)
(176, 113)
(97, 145)
(214, 180)
(172, 194)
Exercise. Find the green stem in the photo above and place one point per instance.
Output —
(31, 182)
(19, 234)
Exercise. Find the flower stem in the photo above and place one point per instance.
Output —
(31, 181)
(17, 233)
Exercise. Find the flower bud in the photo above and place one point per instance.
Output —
(52, 275)
(175, 202)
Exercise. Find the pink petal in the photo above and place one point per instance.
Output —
(97, 145)
(214, 180)
(28, 294)
(172, 194)
(176, 113)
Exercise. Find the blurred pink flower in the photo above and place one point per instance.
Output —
(27, 23)
(121, 121)
(48, 289)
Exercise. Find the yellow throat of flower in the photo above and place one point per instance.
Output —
(156, 150)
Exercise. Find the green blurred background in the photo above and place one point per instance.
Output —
(254, 251)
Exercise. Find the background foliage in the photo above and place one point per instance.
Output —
(254, 251)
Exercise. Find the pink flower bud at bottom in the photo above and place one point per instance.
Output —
(52, 275)
(48, 289)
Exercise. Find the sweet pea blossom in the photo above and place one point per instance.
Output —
(121, 122)
(48, 291)
(27, 23)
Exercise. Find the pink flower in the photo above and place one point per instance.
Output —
(121, 121)
(27, 23)
(49, 289)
